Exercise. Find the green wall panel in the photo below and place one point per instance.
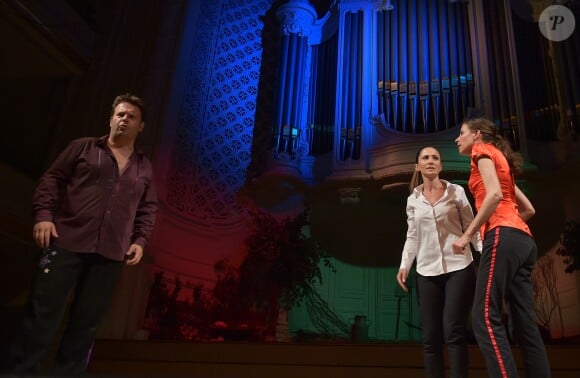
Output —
(351, 290)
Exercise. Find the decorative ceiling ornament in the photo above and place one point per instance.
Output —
(384, 5)
(296, 17)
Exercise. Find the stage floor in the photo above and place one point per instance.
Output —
(230, 359)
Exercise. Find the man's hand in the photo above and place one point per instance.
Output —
(134, 254)
(42, 232)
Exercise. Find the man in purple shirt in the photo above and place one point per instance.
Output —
(94, 209)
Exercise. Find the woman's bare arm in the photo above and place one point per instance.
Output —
(525, 207)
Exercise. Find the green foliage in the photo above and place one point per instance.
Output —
(569, 246)
(280, 269)
(282, 263)
(226, 300)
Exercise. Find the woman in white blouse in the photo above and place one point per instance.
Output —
(437, 213)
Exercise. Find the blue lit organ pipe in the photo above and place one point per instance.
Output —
(434, 72)
(425, 80)
(444, 59)
(322, 97)
(286, 93)
(423, 52)
(352, 85)
(282, 68)
(298, 92)
(313, 110)
(412, 63)
(454, 67)
(296, 18)
(350, 124)
(345, 89)
(357, 125)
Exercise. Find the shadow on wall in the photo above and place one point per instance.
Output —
(369, 228)
(365, 226)
(555, 197)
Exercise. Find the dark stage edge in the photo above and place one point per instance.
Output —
(112, 358)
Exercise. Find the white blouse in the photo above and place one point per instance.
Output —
(432, 229)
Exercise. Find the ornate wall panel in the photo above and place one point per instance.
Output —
(212, 148)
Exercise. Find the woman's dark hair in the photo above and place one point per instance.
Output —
(490, 134)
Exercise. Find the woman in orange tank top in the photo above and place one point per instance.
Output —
(508, 256)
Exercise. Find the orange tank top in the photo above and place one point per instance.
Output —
(506, 213)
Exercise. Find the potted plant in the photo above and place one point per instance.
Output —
(569, 246)
(281, 265)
